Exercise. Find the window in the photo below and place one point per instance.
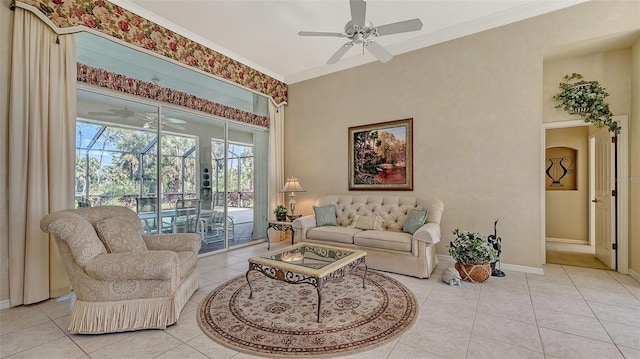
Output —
(123, 154)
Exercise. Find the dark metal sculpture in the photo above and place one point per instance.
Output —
(496, 242)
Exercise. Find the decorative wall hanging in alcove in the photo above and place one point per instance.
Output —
(560, 167)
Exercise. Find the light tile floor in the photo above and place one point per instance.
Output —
(570, 312)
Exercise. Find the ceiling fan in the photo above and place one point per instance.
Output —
(152, 119)
(361, 31)
(123, 113)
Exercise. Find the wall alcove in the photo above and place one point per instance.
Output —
(561, 169)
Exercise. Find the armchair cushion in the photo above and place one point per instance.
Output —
(161, 265)
(118, 235)
(188, 260)
(177, 242)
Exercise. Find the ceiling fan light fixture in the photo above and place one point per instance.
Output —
(359, 30)
(358, 38)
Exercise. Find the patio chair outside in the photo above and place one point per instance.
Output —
(150, 205)
(187, 218)
(218, 222)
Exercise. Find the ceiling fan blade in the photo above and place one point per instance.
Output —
(152, 116)
(172, 125)
(173, 120)
(338, 55)
(320, 33)
(378, 51)
(102, 113)
(358, 12)
(398, 27)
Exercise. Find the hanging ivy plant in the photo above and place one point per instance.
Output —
(586, 99)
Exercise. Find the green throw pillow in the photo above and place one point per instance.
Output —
(325, 216)
(415, 220)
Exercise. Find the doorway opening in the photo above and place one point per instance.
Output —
(585, 225)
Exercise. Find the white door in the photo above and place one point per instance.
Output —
(604, 202)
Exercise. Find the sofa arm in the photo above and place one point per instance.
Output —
(429, 233)
(162, 265)
(304, 222)
(302, 225)
(176, 242)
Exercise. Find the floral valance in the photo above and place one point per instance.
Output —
(114, 21)
(117, 82)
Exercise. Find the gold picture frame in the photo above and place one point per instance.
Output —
(381, 156)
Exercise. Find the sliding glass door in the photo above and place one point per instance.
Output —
(234, 181)
(155, 159)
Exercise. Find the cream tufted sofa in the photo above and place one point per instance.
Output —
(123, 280)
(389, 249)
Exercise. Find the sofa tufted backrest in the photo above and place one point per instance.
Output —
(393, 209)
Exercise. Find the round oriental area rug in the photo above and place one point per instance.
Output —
(281, 319)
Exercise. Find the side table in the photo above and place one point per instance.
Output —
(282, 227)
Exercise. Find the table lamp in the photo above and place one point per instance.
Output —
(292, 185)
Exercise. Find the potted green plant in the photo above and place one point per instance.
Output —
(280, 212)
(473, 255)
(586, 99)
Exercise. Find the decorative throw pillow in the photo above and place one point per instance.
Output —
(415, 220)
(368, 222)
(118, 234)
(325, 216)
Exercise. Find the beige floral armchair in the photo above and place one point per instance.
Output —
(123, 279)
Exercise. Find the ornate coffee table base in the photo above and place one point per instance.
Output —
(296, 278)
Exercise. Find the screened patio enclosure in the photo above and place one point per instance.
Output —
(115, 165)
(125, 156)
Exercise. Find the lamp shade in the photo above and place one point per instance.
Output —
(292, 185)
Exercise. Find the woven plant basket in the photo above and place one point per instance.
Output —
(476, 273)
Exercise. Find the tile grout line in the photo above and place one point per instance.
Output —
(473, 324)
(535, 317)
(596, 316)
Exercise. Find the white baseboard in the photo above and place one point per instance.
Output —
(568, 247)
(566, 240)
(504, 266)
(444, 257)
(4, 304)
(523, 269)
(635, 275)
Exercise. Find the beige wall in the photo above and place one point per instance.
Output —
(634, 163)
(6, 26)
(567, 212)
(611, 68)
(477, 107)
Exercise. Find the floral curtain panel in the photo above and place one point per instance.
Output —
(111, 20)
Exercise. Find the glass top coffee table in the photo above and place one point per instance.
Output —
(306, 263)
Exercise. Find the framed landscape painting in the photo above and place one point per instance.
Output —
(380, 156)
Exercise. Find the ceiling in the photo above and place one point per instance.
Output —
(263, 34)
